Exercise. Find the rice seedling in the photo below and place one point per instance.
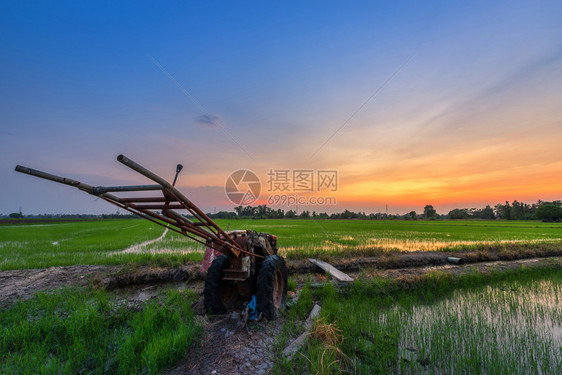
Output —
(504, 323)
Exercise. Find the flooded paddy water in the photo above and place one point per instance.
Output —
(510, 328)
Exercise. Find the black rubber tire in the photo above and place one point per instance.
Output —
(219, 294)
(272, 287)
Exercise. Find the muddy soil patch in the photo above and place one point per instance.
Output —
(411, 275)
(151, 275)
(22, 284)
(228, 349)
(411, 259)
(408, 277)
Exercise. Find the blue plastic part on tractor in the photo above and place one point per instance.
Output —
(252, 311)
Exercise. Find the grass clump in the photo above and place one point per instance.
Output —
(325, 355)
(291, 284)
(76, 331)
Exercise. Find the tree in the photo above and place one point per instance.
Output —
(487, 213)
(503, 211)
(290, 214)
(305, 214)
(413, 215)
(263, 211)
(459, 213)
(429, 212)
(223, 215)
(549, 212)
(16, 215)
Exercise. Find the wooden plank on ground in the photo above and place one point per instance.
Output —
(301, 340)
(336, 274)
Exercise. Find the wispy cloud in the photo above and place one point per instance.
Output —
(521, 83)
(524, 73)
(208, 120)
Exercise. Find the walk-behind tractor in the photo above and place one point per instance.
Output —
(238, 264)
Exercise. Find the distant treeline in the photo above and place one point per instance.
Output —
(546, 211)
(511, 211)
(19, 215)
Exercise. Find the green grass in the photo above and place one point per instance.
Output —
(91, 242)
(102, 242)
(74, 331)
(505, 323)
(305, 238)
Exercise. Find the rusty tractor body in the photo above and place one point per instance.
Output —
(237, 264)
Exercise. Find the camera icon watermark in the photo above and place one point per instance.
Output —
(243, 187)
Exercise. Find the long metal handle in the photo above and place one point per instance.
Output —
(63, 180)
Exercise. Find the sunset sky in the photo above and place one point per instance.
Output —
(454, 104)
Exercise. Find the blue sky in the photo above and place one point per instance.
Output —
(223, 86)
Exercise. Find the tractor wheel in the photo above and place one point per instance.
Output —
(219, 294)
(272, 287)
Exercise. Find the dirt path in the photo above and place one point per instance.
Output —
(413, 259)
(22, 284)
(227, 349)
(411, 274)
(137, 248)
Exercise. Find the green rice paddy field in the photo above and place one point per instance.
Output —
(506, 323)
(140, 241)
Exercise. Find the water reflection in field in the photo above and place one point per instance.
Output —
(512, 328)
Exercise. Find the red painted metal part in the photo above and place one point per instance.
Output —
(210, 255)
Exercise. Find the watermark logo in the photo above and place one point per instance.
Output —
(302, 180)
(289, 187)
(286, 187)
(242, 187)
